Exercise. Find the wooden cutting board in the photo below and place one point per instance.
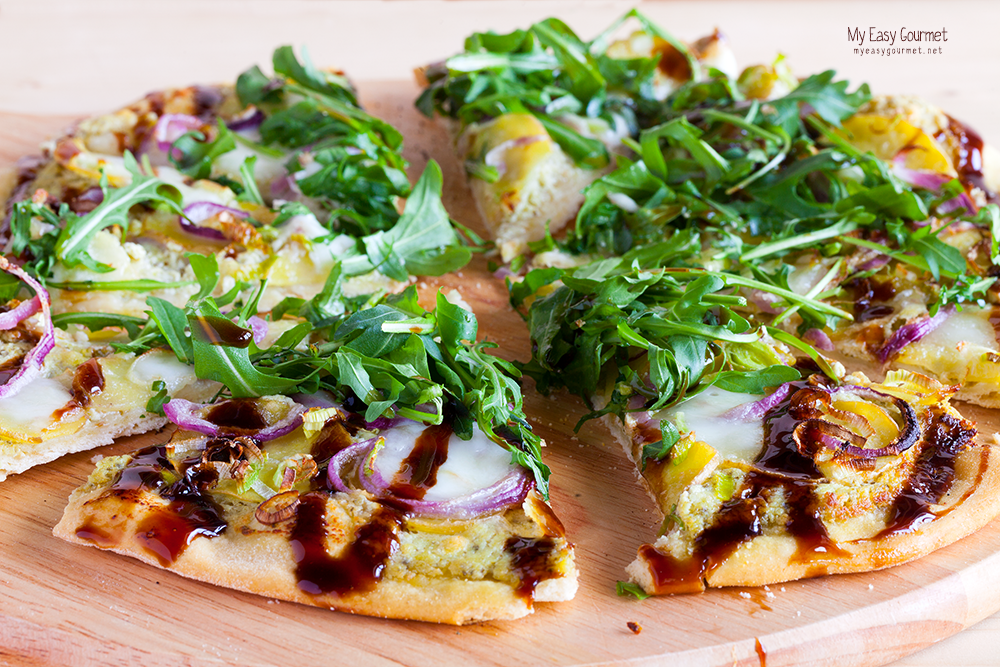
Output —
(65, 604)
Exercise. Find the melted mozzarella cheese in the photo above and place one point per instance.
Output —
(702, 415)
(31, 408)
(471, 464)
(161, 365)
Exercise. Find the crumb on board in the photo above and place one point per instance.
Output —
(744, 595)
(634, 627)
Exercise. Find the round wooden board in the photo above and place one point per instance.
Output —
(64, 604)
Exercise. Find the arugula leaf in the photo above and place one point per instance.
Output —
(829, 99)
(98, 321)
(158, 399)
(77, 232)
(216, 359)
(626, 588)
(423, 242)
(193, 154)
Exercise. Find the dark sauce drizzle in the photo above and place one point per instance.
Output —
(87, 382)
(780, 464)
(932, 476)
(530, 560)
(871, 298)
(419, 469)
(169, 529)
(361, 564)
(237, 417)
(222, 331)
(970, 155)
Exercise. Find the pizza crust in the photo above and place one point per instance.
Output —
(256, 560)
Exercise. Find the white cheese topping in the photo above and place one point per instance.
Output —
(735, 441)
(266, 169)
(161, 365)
(31, 408)
(471, 465)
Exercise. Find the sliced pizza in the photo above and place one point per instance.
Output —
(824, 474)
(392, 518)
(537, 115)
(880, 206)
(278, 177)
(817, 478)
(64, 392)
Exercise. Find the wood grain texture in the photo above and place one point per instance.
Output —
(61, 604)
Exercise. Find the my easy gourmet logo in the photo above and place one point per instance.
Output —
(904, 41)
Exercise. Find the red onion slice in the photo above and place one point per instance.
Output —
(355, 465)
(961, 201)
(250, 119)
(31, 365)
(749, 412)
(504, 272)
(200, 211)
(344, 465)
(187, 415)
(764, 301)
(818, 339)
(908, 436)
(321, 399)
(876, 262)
(509, 491)
(15, 316)
(931, 181)
(911, 333)
(259, 327)
(172, 126)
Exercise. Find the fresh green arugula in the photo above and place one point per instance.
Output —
(646, 339)
(385, 352)
(356, 169)
(548, 71)
(768, 181)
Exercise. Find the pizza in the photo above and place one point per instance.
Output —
(360, 454)
(130, 212)
(395, 518)
(884, 206)
(766, 468)
(279, 177)
(790, 214)
(234, 260)
(530, 146)
(814, 479)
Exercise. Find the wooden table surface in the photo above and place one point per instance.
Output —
(64, 59)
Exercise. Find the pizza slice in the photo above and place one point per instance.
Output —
(66, 393)
(537, 115)
(392, 518)
(279, 177)
(816, 478)
(766, 468)
(406, 483)
(882, 207)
